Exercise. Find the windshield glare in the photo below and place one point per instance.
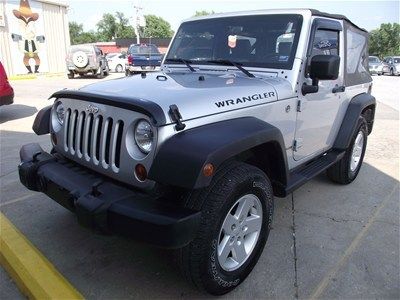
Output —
(267, 41)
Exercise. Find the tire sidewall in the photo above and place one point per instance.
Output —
(218, 279)
(362, 126)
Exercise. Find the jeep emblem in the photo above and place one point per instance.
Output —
(91, 109)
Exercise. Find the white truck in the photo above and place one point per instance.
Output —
(248, 106)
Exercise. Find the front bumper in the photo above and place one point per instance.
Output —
(101, 204)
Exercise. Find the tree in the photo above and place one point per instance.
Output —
(156, 27)
(385, 41)
(78, 36)
(114, 26)
(203, 13)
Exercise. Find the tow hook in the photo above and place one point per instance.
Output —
(176, 117)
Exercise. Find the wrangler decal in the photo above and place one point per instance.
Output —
(243, 99)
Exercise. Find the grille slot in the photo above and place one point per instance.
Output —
(97, 139)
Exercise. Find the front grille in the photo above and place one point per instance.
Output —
(95, 138)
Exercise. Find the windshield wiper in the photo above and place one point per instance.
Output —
(185, 61)
(231, 63)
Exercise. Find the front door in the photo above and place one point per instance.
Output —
(317, 115)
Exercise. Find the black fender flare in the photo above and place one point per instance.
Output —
(41, 125)
(350, 120)
(180, 160)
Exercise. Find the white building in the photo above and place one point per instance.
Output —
(34, 36)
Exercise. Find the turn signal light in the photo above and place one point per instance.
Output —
(141, 172)
(208, 170)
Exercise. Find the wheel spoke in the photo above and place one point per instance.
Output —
(253, 224)
(239, 252)
(228, 223)
(243, 208)
(224, 248)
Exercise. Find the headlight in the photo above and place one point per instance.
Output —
(144, 136)
(60, 112)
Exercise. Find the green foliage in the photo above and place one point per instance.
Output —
(385, 41)
(114, 26)
(78, 36)
(203, 13)
(156, 27)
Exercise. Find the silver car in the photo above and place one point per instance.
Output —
(391, 65)
(375, 65)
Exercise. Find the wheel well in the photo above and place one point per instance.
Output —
(269, 158)
(369, 114)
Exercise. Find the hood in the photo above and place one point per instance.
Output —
(195, 94)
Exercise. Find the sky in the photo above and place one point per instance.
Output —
(366, 14)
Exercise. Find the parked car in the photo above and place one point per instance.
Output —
(86, 59)
(6, 90)
(391, 65)
(375, 65)
(143, 58)
(117, 62)
(248, 106)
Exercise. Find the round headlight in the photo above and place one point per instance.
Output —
(60, 112)
(144, 136)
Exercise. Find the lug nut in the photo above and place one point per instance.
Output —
(233, 227)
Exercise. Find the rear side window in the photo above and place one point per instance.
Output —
(356, 56)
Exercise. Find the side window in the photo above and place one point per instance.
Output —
(326, 42)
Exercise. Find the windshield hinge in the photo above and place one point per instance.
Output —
(176, 117)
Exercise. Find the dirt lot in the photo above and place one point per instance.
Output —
(327, 241)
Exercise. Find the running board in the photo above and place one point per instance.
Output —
(298, 177)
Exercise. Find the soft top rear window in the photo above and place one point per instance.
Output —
(267, 41)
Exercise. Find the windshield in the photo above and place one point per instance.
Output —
(143, 49)
(373, 59)
(267, 41)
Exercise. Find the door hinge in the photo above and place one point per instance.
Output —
(297, 144)
(301, 105)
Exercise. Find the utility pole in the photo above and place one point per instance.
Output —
(137, 22)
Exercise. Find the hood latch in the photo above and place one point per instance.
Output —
(176, 117)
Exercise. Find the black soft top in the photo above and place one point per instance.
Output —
(316, 12)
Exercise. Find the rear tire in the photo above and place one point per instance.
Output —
(214, 261)
(346, 169)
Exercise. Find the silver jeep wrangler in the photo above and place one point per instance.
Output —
(247, 107)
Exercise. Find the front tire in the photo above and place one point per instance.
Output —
(237, 211)
(119, 69)
(346, 169)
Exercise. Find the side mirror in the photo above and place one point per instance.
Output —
(323, 67)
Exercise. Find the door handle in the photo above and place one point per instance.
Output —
(338, 89)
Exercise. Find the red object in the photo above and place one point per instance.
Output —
(6, 91)
(130, 59)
